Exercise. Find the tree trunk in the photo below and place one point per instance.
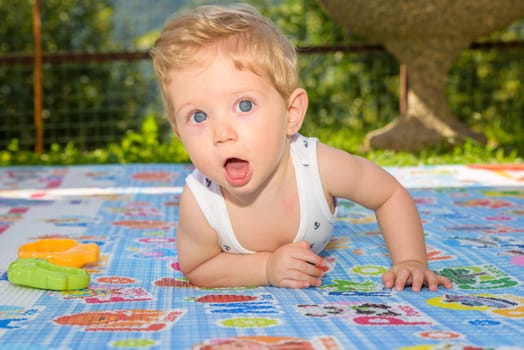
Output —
(426, 36)
(428, 120)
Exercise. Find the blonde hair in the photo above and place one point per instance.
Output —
(252, 41)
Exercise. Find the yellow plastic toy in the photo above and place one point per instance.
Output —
(61, 251)
(40, 273)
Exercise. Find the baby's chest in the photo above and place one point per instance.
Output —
(267, 230)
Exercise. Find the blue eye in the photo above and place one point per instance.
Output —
(245, 106)
(198, 117)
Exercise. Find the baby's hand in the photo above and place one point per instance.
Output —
(415, 274)
(294, 265)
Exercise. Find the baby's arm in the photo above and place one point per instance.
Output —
(400, 224)
(204, 264)
(363, 182)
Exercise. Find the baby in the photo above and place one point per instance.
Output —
(260, 204)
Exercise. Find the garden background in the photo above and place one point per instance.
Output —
(101, 103)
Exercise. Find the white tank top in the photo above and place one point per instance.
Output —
(316, 219)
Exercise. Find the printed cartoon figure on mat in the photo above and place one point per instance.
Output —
(269, 343)
(260, 205)
(14, 317)
(122, 320)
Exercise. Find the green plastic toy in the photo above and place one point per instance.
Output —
(41, 274)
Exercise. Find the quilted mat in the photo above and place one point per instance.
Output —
(138, 299)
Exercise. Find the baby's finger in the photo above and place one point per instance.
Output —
(388, 279)
(431, 280)
(417, 280)
(403, 279)
(312, 264)
(309, 269)
(312, 258)
(304, 280)
(444, 281)
(291, 283)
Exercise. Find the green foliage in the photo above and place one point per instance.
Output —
(485, 90)
(146, 147)
(84, 102)
(350, 94)
(76, 25)
(470, 152)
(135, 147)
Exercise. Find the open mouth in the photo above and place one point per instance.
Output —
(237, 171)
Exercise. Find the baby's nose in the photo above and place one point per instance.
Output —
(225, 132)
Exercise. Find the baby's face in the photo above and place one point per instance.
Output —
(232, 122)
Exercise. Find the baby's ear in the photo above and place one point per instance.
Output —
(296, 110)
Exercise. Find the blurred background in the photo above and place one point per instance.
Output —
(100, 102)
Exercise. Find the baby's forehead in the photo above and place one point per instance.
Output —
(205, 56)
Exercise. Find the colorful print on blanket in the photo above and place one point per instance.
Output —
(138, 299)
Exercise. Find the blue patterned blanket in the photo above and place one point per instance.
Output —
(138, 299)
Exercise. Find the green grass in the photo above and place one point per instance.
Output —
(469, 152)
(146, 148)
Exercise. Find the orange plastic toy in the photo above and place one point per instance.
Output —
(63, 251)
